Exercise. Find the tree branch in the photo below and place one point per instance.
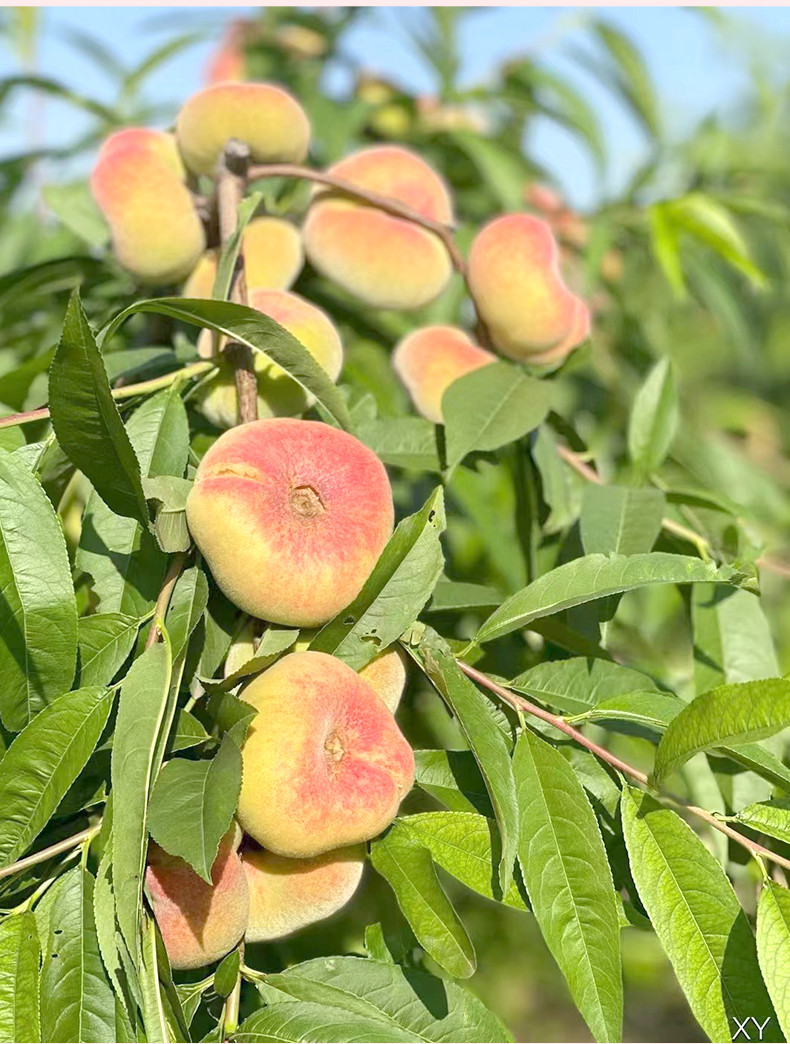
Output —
(163, 600)
(53, 850)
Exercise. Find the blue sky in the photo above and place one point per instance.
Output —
(697, 67)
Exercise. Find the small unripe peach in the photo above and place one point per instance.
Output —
(290, 516)
(515, 280)
(386, 673)
(278, 394)
(273, 258)
(156, 232)
(199, 922)
(289, 894)
(429, 360)
(386, 261)
(265, 117)
(325, 764)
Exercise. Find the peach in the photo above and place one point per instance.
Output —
(386, 673)
(290, 516)
(289, 894)
(160, 143)
(156, 232)
(325, 764)
(516, 283)
(429, 360)
(278, 394)
(264, 116)
(199, 922)
(228, 63)
(273, 258)
(385, 261)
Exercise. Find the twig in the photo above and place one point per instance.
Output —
(163, 600)
(231, 185)
(53, 850)
(128, 391)
(522, 704)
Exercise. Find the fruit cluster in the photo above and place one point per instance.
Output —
(291, 514)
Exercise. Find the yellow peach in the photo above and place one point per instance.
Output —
(273, 259)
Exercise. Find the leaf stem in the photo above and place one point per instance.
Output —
(163, 600)
(53, 850)
(754, 849)
(231, 1017)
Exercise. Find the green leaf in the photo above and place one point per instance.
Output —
(187, 732)
(490, 407)
(452, 596)
(77, 1002)
(502, 169)
(596, 576)
(231, 248)
(768, 817)
(86, 420)
(408, 868)
(42, 763)
(708, 221)
(624, 520)
(654, 418)
(73, 204)
(696, 916)
(305, 1021)
(467, 846)
(475, 716)
(773, 948)
(19, 959)
(38, 611)
(153, 1004)
(569, 882)
(732, 637)
(630, 77)
(577, 684)
(401, 583)
(452, 777)
(410, 1005)
(141, 715)
(403, 442)
(192, 806)
(105, 640)
(255, 330)
(274, 642)
(729, 714)
(187, 605)
(227, 973)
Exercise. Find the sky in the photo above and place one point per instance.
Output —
(698, 66)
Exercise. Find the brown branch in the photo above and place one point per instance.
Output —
(47, 853)
(165, 594)
(231, 185)
(522, 704)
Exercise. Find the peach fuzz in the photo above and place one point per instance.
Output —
(278, 394)
(156, 232)
(325, 764)
(199, 922)
(385, 261)
(429, 360)
(265, 117)
(289, 894)
(386, 673)
(273, 258)
(159, 143)
(515, 280)
(290, 516)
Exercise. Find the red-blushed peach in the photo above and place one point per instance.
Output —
(262, 115)
(278, 394)
(160, 143)
(386, 673)
(290, 516)
(325, 764)
(199, 922)
(289, 894)
(385, 261)
(579, 331)
(515, 280)
(429, 360)
(228, 63)
(155, 230)
(273, 258)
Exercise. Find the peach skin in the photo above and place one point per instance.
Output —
(515, 280)
(385, 261)
(327, 766)
(199, 922)
(278, 394)
(429, 360)
(289, 894)
(262, 115)
(290, 516)
(160, 143)
(386, 673)
(273, 258)
(156, 232)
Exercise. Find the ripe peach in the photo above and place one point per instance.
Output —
(386, 673)
(290, 516)
(429, 360)
(515, 280)
(386, 261)
(278, 394)
(199, 922)
(289, 894)
(325, 764)
(160, 143)
(273, 258)
(265, 117)
(228, 64)
(155, 229)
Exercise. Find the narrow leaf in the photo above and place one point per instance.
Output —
(773, 948)
(105, 640)
(19, 959)
(622, 520)
(654, 418)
